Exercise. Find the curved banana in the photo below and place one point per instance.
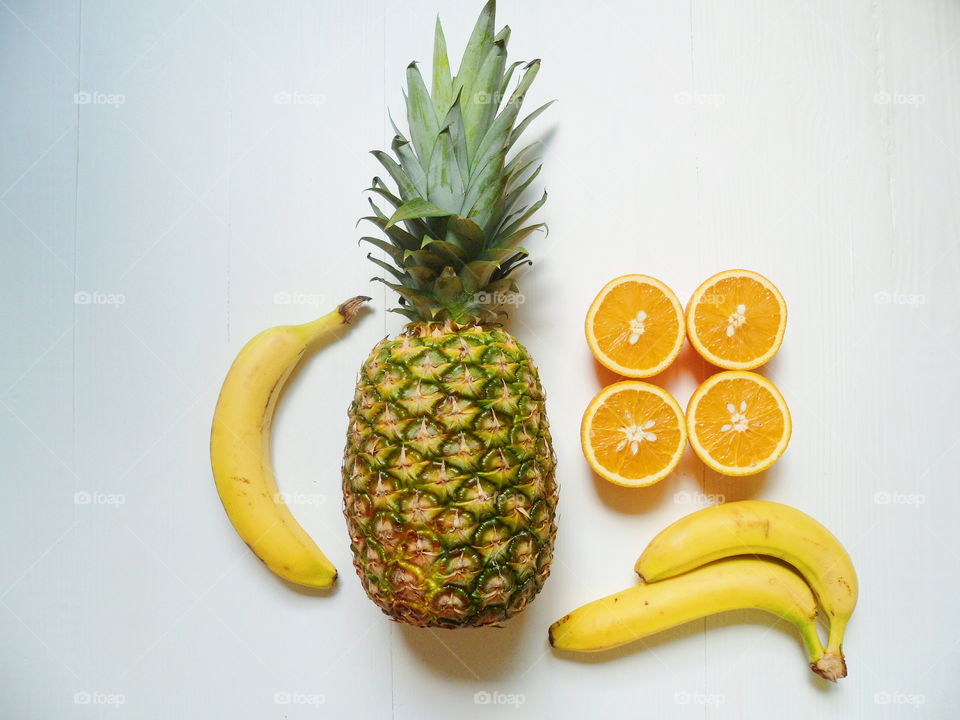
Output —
(735, 584)
(240, 448)
(757, 527)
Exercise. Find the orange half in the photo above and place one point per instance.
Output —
(633, 433)
(635, 326)
(736, 319)
(738, 423)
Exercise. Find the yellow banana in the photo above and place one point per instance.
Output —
(240, 448)
(757, 527)
(735, 584)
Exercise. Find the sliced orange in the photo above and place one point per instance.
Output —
(633, 433)
(635, 326)
(738, 423)
(736, 319)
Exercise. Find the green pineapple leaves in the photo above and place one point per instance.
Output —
(455, 219)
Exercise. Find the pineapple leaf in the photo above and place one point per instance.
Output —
(477, 47)
(515, 193)
(521, 158)
(449, 253)
(414, 209)
(410, 164)
(512, 228)
(481, 104)
(399, 236)
(448, 286)
(453, 123)
(444, 182)
(466, 228)
(513, 262)
(424, 258)
(406, 187)
(383, 192)
(477, 274)
(416, 298)
(421, 275)
(442, 81)
(421, 116)
(498, 135)
(505, 81)
(518, 130)
(518, 236)
(394, 252)
(398, 274)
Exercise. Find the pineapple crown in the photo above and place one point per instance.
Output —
(453, 238)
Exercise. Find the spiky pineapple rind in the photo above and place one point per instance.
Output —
(448, 477)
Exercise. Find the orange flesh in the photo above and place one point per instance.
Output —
(611, 326)
(718, 303)
(634, 408)
(732, 448)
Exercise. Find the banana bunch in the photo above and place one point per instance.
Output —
(711, 561)
(240, 448)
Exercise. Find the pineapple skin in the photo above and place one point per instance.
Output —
(449, 477)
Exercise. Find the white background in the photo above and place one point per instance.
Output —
(815, 141)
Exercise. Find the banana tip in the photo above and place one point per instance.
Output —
(351, 307)
(830, 667)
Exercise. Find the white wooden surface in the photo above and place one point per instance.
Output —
(204, 184)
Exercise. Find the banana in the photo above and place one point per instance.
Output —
(240, 448)
(757, 527)
(735, 584)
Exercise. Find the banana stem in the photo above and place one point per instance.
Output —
(343, 315)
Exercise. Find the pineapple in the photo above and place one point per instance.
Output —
(448, 471)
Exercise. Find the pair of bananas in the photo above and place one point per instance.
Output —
(712, 561)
